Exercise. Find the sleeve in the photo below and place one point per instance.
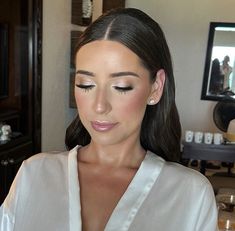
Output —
(208, 216)
(8, 208)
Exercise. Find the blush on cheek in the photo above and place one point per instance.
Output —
(136, 104)
(80, 101)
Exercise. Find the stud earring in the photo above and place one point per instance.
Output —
(151, 101)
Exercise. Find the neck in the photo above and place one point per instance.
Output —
(118, 155)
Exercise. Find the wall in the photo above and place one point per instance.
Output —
(186, 26)
(224, 38)
(55, 86)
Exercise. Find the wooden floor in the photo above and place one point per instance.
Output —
(221, 182)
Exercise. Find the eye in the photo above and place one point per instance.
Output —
(85, 87)
(123, 89)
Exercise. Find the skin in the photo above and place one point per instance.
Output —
(112, 90)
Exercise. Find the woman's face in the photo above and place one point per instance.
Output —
(112, 90)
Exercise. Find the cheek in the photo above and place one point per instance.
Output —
(136, 104)
(81, 101)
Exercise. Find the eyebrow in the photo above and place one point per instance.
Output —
(124, 73)
(85, 73)
(113, 75)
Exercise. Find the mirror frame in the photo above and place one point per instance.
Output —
(204, 95)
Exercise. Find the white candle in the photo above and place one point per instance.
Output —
(227, 226)
(232, 199)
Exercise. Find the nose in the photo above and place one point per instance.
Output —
(102, 104)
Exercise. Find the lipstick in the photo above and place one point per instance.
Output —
(102, 126)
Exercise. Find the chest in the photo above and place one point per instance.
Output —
(100, 193)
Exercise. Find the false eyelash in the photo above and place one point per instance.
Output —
(85, 87)
(123, 89)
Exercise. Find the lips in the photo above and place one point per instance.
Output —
(102, 126)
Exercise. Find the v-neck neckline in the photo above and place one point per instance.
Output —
(130, 202)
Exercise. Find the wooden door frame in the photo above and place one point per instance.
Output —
(35, 70)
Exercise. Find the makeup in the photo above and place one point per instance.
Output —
(102, 126)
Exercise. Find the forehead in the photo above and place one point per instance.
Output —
(105, 49)
(104, 57)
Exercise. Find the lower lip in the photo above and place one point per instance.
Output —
(99, 127)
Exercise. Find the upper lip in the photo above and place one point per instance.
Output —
(102, 126)
(99, 122)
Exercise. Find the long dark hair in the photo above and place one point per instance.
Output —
(160, 129)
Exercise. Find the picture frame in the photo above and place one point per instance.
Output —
(74, 38)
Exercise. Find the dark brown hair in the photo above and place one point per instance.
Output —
(160, 129)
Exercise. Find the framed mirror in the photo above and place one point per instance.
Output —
(219, 72)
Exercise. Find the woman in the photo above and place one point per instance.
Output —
(216, 80)
(115, 176)
(226, 70)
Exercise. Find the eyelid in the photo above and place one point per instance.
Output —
(83, 78)
(81, 81)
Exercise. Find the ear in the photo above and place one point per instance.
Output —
(157, 88)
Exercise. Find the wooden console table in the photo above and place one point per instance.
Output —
(203, 152)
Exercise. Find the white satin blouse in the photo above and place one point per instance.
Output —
(162, 196)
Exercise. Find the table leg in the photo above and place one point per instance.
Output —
(203, 167)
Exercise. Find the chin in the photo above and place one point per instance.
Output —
(106, 140)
